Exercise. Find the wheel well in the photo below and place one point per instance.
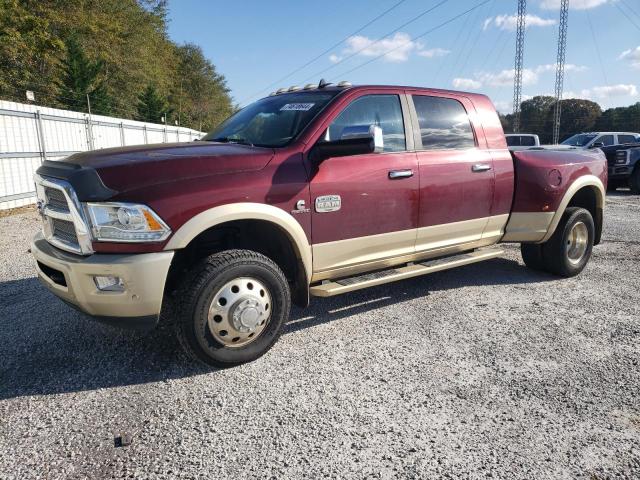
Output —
(259, 236)
(587, 198)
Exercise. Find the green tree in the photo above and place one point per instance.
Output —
(152, 106)
(577, 116)
(81, 78)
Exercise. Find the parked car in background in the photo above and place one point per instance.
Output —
(601, 139)
(313, 192)
(522, 141)
(623, 166)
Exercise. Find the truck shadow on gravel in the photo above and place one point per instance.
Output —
(48, 348)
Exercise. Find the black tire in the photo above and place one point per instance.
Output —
(200, 288)
(555, 252)
(532, 255)
(634, 181)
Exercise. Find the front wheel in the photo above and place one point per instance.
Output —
(231, 309)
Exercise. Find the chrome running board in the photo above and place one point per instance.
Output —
(410, 270)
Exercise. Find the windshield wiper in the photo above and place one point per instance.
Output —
(240, 141)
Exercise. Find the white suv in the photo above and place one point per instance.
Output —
(601, 139)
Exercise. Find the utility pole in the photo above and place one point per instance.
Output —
(517, 78)
(88, 105)
(562, 46)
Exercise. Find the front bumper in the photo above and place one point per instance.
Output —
(71, 278)
(620, 171)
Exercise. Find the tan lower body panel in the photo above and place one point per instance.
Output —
(329, 289)
(527, 226)
(356, 255)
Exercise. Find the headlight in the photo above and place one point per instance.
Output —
(126, 222)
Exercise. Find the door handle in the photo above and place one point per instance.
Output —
(480, 167)
(395, 174)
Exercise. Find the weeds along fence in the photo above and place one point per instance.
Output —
(30, 134)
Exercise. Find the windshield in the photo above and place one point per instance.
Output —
(273, 121)
(579, 140)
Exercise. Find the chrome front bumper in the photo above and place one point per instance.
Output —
(71, 278)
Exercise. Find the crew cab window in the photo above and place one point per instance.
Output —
(627, 139)
(513, 141)
(443, 123)
(605, 139)
(381, 110)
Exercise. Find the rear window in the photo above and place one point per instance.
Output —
(444, 123)
(627, 139)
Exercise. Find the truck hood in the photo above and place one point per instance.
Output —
(126, 168)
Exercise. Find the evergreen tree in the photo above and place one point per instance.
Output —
(82, 77)
(151, 106)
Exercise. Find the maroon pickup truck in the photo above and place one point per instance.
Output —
(308, 192)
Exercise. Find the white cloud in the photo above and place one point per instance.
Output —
(632, 55)
(434, 52)
(396, 49)
(504, 78)
(606, 91)
(509, 22)
(573, 4)
(466, 83)
(399, 47)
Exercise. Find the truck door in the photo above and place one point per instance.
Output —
(456, 176)
(365, 207)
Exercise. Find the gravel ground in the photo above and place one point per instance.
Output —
(489, 370)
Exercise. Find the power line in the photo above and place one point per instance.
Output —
(325, 52)
(378, 40)
(626, 15)
(595, 44)
(431, 30)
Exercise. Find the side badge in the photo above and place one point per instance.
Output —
(328, 203)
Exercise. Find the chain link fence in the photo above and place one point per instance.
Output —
(30, 134)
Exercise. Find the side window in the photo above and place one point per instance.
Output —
(626, 138)
(605, 139)
(443, 122)
(513, 141)
(528, 141)
(381, 110)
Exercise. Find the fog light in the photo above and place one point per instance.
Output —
(109, 283)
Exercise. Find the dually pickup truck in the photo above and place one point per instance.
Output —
(307, 192)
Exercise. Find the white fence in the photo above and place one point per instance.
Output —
(30, 134)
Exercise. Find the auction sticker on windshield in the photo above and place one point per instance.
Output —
(299, 107)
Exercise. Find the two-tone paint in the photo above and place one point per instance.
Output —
(444, 206)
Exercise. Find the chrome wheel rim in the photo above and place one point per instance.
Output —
(577, 242)
(239, 312)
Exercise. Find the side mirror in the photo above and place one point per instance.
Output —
(365, 131)
(355, 140)
(597, 145)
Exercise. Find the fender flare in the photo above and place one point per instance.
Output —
(246, 211)
(581, 182)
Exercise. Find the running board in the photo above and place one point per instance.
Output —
(349, 284)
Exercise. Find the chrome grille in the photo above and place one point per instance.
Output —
(56, 199)
(64, 222)
(64, 230)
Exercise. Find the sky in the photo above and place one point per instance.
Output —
(426, 43)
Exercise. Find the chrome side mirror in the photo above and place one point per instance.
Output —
(365, 131)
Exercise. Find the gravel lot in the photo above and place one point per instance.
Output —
(490, 370)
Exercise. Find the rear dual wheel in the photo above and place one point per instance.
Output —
(232, 307)
(568, 250)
